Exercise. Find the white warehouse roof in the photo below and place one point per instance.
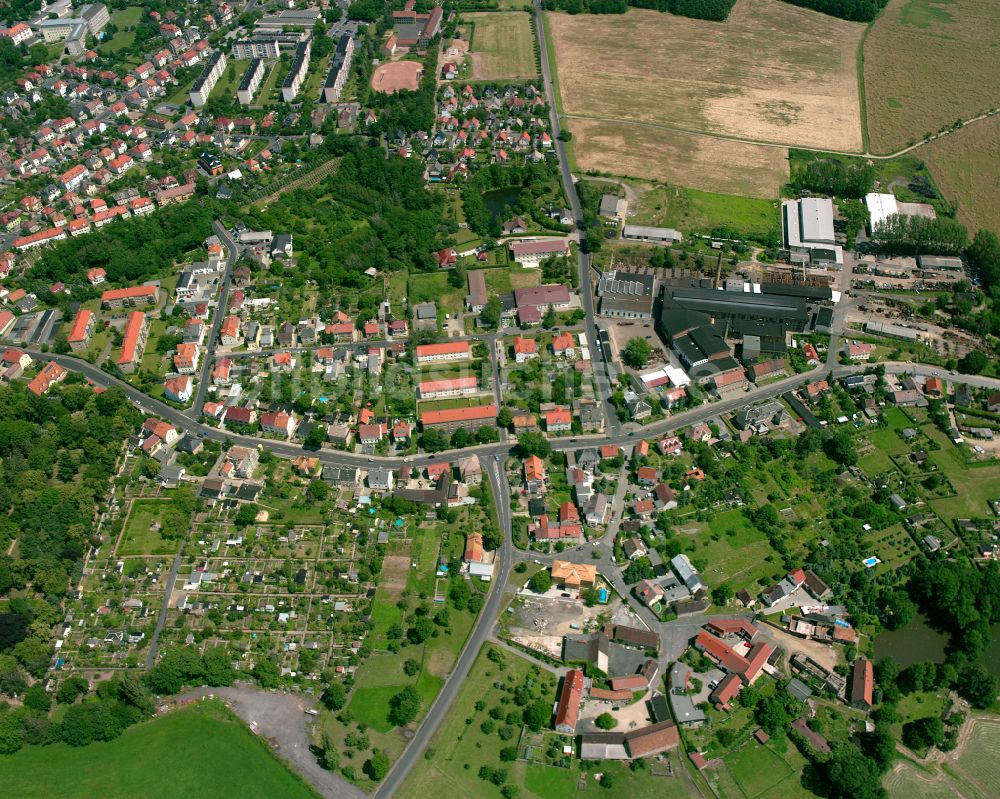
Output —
(880, 207)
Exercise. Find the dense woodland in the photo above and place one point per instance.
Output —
(57, 456)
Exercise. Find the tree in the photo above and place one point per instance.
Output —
(411, 667)
(37, 698)
(637, 352)
(377, 766)
(329, 757)
(11, 733)
(318, 490)
(404, 706)
(505, 418)
(421, 629)
(316, 437)
(541, 581)
(973, 362)
(722, 594)
(924, 732)
(840, 447)
(267, 673)
(977, 685)
(334, 697)
(606, 721)
(851, 775)
(537, 715)
(508, 754)
(897, 609)
(246, 515)
(70, 689)
(491, 312)
(217, 665)
(551, 318)
(533, 444)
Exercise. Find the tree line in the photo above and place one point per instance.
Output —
(713, 10)
(852, 10)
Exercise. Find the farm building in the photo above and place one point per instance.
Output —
(665, 235)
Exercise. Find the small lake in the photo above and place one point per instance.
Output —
(915, 642)
(918, 641)
(498, 200)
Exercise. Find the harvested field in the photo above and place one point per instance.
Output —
(502, 45)
(772, 73)
(966, 167)
(397, 75)
(684, 159)
(928, 63)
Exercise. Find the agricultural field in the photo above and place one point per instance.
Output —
(970, 771)
(658, 153)
(926, 65)
(966, 167)
(502, 46)
(772, 72)
(207, 753)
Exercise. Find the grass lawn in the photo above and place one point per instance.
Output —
(738, 556)
(119, 41)
(434, 287)
(139, 539)
(550, 782)
(756, 769)
(226, 87)
(497, 281)
(127, 17)
(207, 754)
(384, 615)
(458, 743)
(502, 46)
(695, 210)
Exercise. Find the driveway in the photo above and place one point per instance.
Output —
(281, 719)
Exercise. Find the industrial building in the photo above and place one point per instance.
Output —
(807, 227)
(297, 72)
(892, 331)
(305, 18)
(662, 235)
(625, 295)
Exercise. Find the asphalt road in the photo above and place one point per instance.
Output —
(602, 369)
(232, 254)
(493, 468)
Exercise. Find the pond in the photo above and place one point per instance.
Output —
(918, 641)
(498, 200)
(915, 642)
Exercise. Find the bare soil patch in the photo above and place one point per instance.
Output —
(683, 159)
(394, 568)
(772, 72)
(927, 64)
(396, 76)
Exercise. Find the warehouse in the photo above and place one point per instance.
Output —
(807, 226)
(659, 235)
(791, 312)
(892, 331)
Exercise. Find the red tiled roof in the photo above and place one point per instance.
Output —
(569, 699)
(79, 330)
(459, 414)
(446, 348)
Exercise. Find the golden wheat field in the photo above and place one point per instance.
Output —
(928, 63)
(772, 72)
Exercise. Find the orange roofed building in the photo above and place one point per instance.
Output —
(134, 342)
(574, 575)
(568, 709)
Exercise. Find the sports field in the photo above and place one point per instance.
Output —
(772, 72)
(684, 159)
(502, 46)
(966, 167)
(927, 64)
(194, 752)
(396, 76)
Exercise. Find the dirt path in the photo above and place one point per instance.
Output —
(281, 719)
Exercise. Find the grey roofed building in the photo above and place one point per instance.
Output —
(647, 233)
(603, 746)
(770, 411)
(613, 206)
(626, 295)
(591, 648)
(790, 311)
(340, 475)
(823, 320)
(380, 479)
(685, 710)
(425, 316)
(688, 574)
(798, 689)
